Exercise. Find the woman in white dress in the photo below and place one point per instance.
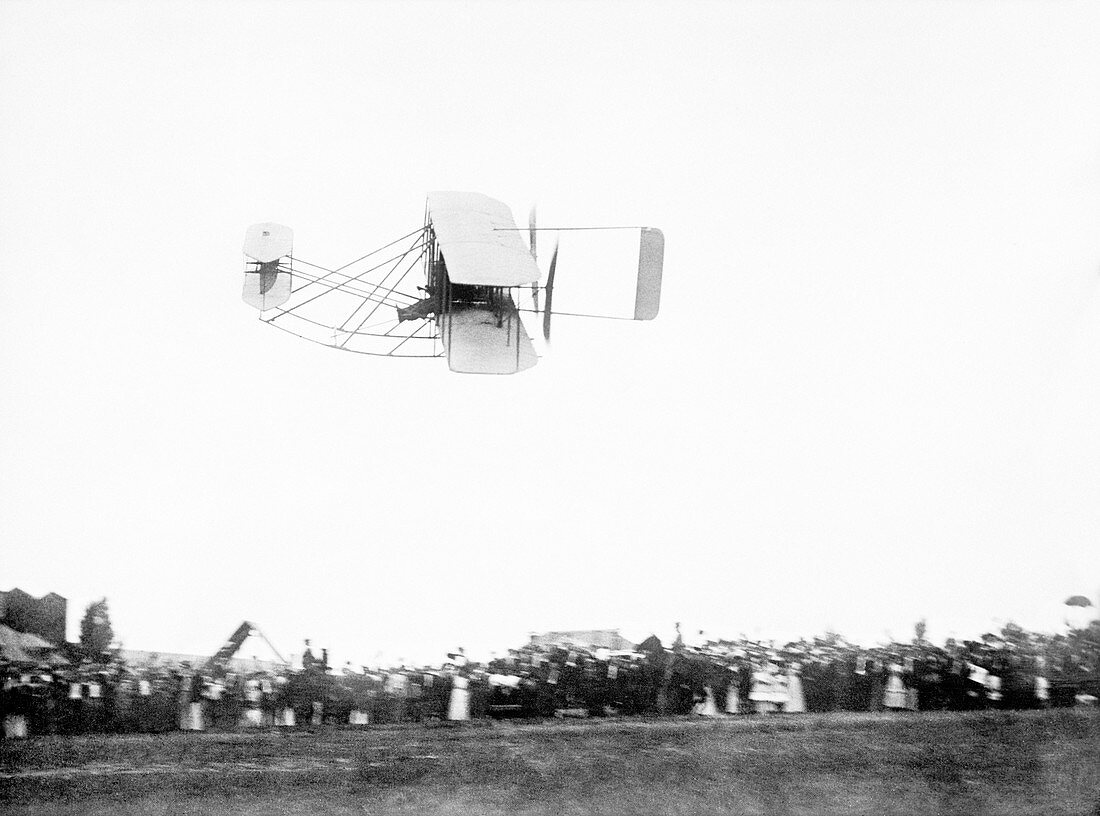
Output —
(458, 707)
(252, 716)
(707, 707)
(733, 699)
(15, 718)
(796, 703)
(1042, 685)
(895, 697)
(769, 690)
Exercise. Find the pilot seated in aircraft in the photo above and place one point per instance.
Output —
(423, 308)
(470, 296)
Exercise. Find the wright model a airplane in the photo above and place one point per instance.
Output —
(476, 268)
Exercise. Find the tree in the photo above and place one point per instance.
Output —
(920, 629)
(95, 630)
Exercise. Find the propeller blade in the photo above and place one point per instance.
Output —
(549, 294)
(532, 229)
(532, 232)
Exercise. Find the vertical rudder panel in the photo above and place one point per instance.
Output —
(651, 259)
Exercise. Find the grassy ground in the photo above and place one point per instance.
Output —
(978, 764)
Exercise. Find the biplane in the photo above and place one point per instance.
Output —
(476, 275)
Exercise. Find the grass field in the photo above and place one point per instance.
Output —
(977, 764)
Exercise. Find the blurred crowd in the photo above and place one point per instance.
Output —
(1014, 669)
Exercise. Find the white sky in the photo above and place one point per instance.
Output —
(871, 395)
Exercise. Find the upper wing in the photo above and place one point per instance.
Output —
(479, 240)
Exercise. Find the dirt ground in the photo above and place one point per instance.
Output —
(978, 764)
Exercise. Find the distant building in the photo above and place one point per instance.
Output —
(584, 638)
(44, 617)
(139, 659)
(32, 630)
(247, 650)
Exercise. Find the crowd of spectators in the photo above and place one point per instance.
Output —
(1014, 669)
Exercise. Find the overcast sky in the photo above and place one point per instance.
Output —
(871, 395)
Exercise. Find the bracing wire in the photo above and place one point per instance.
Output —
(398, 283)
(342, 334)
(329, 327)
(354, 278)
(412, 337)
(433, 355)
(418, 231)
(352, 290)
